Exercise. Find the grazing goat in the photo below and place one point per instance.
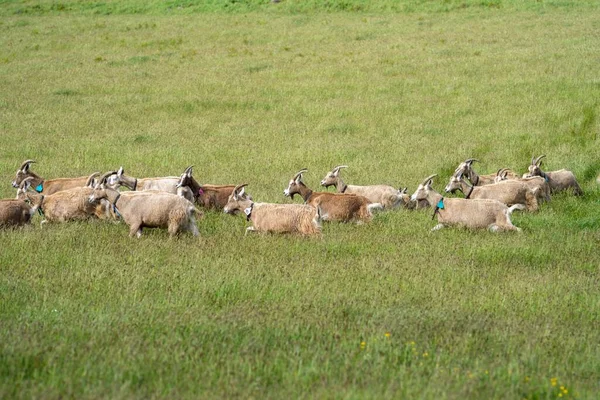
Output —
(45, 186)
(387, 196)
(536, 183)
(279, 218)
(466, 169)
(343, 207)
(67, 205)
(507, 192)
(558, 180)
(207, 196)
(149, 210)
(16, 212)
(476, 213)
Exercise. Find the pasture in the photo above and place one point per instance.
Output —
(385, 309)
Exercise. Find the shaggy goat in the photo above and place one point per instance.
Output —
(334, 206)
(16, 212)
(279, 218)
(45, 186)
(507, 192)
(558, 180)
(387, 196)
(151, 210)
(476, 213)
(466, 169)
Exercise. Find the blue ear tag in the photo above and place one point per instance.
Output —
(440, 204)
(39, 188)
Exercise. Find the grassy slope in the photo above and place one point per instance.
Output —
(86, 312)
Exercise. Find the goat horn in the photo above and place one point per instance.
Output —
(471, 160)
(91, 178)
(188, 169)
(239, 187)
(340, 166)
(25, 181)
(299, 173)
(26, 163)
(537, 160)
(106, 175)
(428, 178)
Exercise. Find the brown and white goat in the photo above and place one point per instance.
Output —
(466, 169)
(558, 180)
(278, 218)
(67, 205)
(475, 213)
(207, 196)
(16, 212)
(536, 183)
(386, 195)
(343, 207)
(507, 192)
(149, 210)
(42, 185)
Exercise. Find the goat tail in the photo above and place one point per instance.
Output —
(374, 206)
(514, 207)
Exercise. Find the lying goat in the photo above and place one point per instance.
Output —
(466, 169)
(45, 186)
(536, 183)
(507, 192)
(207, 196)
(149, 210)
(343, 207)
(16, 212)
(558, 180)
(476, 213)
(387, 196)
(278, 218)
(67, 205)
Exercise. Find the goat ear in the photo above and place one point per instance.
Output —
(120, 172)
(242, 192)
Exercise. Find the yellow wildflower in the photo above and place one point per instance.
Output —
(387, 334)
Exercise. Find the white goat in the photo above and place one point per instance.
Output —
(387, 196)
(278, 218)
(166, 184)
(536, 183)
(476, 213)
(150, 210)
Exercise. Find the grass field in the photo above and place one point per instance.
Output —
(253, 92)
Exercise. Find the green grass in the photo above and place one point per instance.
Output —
(397, 91)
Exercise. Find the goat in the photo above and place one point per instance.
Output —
(558, 180)
(343, 207)
(166, 184)
(279, 218)
(466, 169)
(475, 213)
(537, 183)
(42, 185)
(151, 210)
(207, 196)
(67, 205)
(387, 196)
(507, 192)
(16, 212)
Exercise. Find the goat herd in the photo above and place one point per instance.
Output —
(170, 202)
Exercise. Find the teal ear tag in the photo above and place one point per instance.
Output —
(440, 204)
(39, 188)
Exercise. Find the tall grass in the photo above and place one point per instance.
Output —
(386, 309)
